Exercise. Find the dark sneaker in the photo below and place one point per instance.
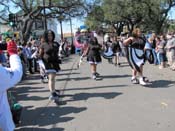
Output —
(117, 64)
(54, 96)
(44, 79)
(58, 92)
(97, 74)
(145, 79)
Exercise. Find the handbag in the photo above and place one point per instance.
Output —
(149, 56)
(16, 108)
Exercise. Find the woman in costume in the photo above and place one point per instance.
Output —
(108, 52)
(116, 49)
(94, 56)
(49, 54)
(135, 55)
(43, 75)
(82, 41)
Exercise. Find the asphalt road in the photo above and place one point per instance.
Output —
(112, 103)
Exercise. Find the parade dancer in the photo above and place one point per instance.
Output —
(43, 75)
(135, 55)
(49, 54)
(84, 54)
(108, 49)
(82, 41)
(9, 77)
(94, 56)
(116, 50)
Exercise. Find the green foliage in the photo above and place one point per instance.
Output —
(171, 27)
(147, 14)
(95, 18)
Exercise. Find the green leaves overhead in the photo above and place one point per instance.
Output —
(147, 14)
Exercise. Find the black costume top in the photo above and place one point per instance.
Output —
(94, 54)
(50, 55)
(135, 53)
(116, 47)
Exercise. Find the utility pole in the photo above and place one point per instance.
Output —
(72, 44)
(71, 30)
(61, 30)
(45, 21)
(60, 19)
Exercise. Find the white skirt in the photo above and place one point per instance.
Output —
(135, 58)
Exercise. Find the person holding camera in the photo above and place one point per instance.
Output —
(3, 46)
(9, 77)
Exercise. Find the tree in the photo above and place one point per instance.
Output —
(157, 14)
(147, 14)
(95, 18)
(31, 10)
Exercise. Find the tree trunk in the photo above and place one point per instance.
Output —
(26, 29)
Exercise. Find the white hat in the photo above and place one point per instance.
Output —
(83, 30)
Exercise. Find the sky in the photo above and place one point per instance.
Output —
(172, 13)
(75, 24)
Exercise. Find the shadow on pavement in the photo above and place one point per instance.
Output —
(60, 74)
(92, 88)
(66, 59)
(22, 93)
(86, 96)
(122, 65)
(47, 116)
(161, 84)
(30, 80)
(29, 83)
(115, 76)
(68, 69)
(76, 79)
(39, 129)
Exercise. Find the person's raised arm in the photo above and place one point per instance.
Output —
(12, 75)
(41, 51)
(127, 41)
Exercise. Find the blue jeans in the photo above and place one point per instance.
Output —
(161, 57)
(155, 57)
(158, 58)
(2, 58)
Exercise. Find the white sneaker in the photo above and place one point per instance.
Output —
(160, 67)
(134, 80)
(142, 82)
(94, 77)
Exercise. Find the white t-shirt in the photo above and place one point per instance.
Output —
(9, 77)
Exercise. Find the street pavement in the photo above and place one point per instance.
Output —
(112, 103)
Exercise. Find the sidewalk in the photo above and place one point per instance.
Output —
(110, 104)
